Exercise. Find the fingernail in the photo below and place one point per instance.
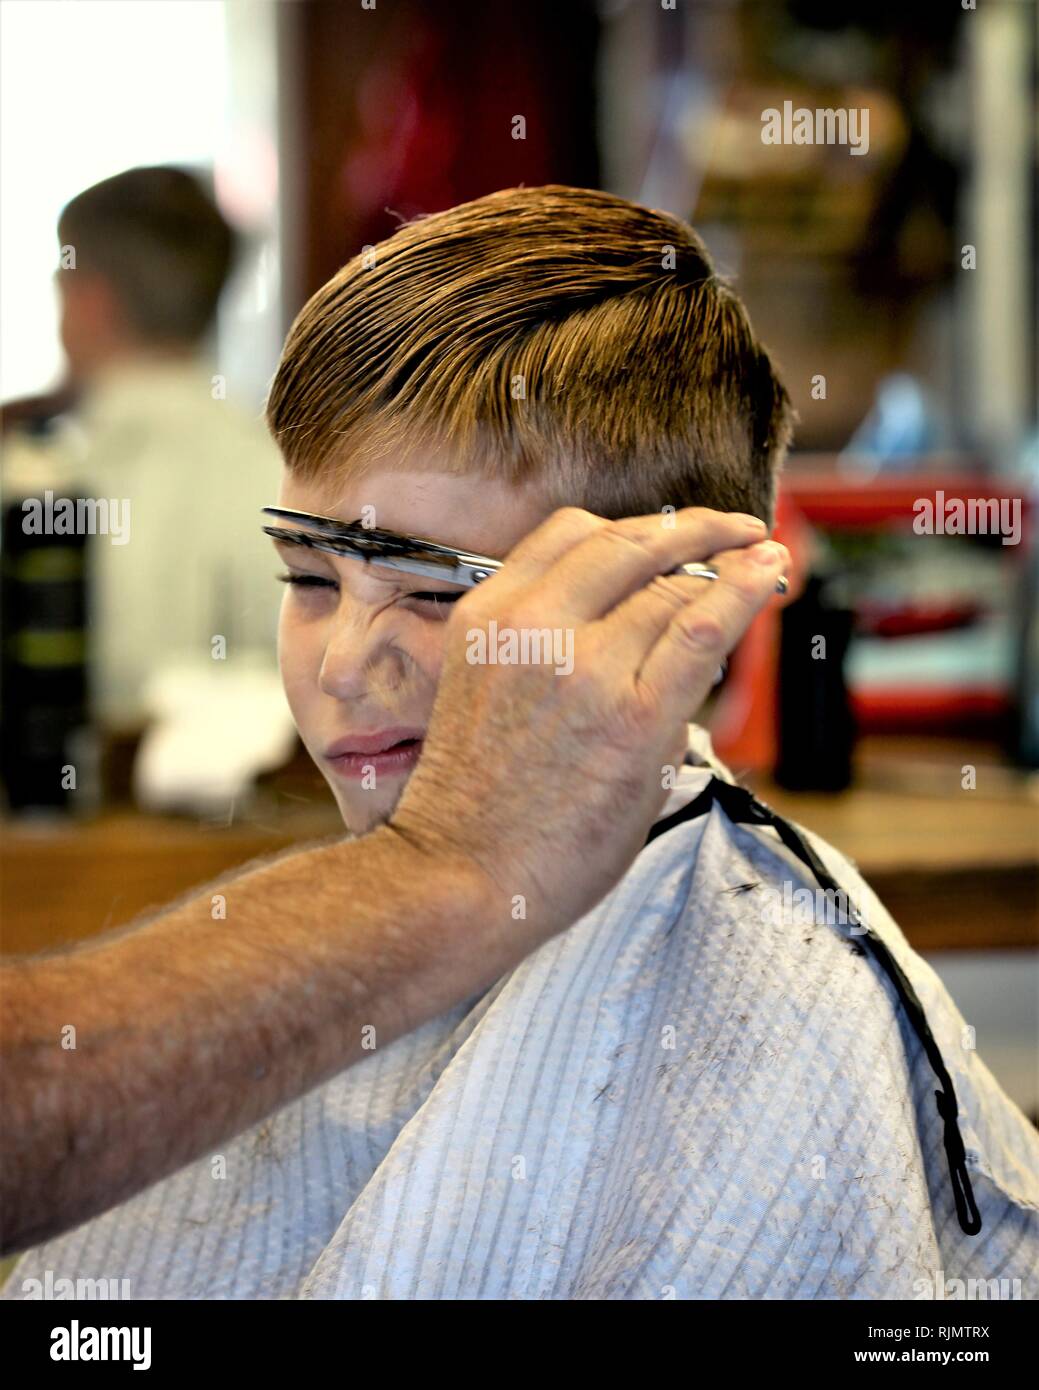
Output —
(749, 520)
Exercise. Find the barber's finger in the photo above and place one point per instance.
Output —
(681, 665)
(600, 570)
(630, 631)
(540, 548)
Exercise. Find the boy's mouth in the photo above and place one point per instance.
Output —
(391, 750)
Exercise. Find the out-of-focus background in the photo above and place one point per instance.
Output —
(890, 268)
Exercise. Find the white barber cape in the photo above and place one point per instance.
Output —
(675, 1098)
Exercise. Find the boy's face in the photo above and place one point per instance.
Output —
(359, 653)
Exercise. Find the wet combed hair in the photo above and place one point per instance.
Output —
(552, 333)
(161, 242)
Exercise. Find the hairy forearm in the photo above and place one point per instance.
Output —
(124, 1060)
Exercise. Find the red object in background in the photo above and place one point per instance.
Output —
(407, 109)
(829, 499)
(743, 729)
(900, 710)
(914, 619)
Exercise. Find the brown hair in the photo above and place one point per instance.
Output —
(552, 333)
(161, 242)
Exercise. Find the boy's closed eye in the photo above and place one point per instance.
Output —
(435, 599)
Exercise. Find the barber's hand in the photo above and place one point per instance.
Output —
(548, 783)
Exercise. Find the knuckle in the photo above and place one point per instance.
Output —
(564, 525)
(701, 513)
(632, 531)
(701, 631)
(574, 520)
(520, 614)
(668, 590)
(475, 606)
(587, 675)
(706, 518)
(634, 716)
(749, 579)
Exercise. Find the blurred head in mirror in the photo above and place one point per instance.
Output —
(143, 258)
(148, 420)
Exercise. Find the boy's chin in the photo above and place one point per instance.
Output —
(361, 815)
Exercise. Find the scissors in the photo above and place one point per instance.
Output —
(411, 554)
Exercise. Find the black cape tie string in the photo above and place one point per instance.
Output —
(742, 808)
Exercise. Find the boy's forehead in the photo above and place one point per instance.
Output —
(461, 510)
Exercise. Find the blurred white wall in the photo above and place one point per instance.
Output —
(91, 87)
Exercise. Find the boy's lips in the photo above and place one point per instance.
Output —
(379, 742)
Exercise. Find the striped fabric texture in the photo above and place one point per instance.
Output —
(686, 1095)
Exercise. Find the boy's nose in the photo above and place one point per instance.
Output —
(357, 660)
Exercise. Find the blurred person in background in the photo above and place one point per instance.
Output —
(144, 258)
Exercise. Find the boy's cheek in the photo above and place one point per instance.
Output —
(299, 675)
(435, 655)
(423, 646)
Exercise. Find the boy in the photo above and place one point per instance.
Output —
(693, 1092)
